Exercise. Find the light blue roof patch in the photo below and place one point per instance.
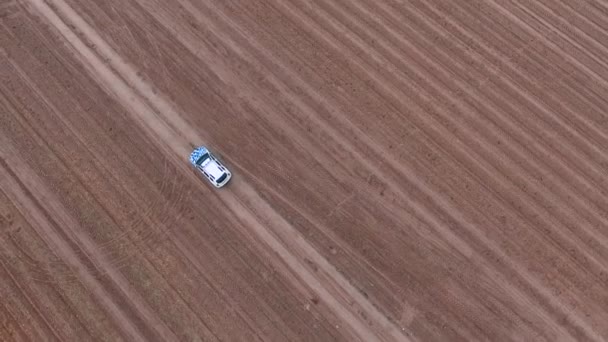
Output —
(197, 153)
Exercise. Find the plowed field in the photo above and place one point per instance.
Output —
(402, 170)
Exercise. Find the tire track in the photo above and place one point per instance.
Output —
(566, 120)
(77, 134)
(590, 147)
(307, 109)
(14, 253)
(48, 330)
(157, 126)
(590, 29)
(598, 7)
(544, 20)
(226, 39)
(98, 272)
(10, 241)
(36, 206)
(137, 226)
(223, 39)
(149, 207)
(529, 160)
(8, 326)
(591, 150)
(593, 202)
(8, 9)
(553, 46)
(579, 91)
(10, 329)
(292, 133)
(571, 283)
(138, 251)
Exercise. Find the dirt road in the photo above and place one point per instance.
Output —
(403, 170)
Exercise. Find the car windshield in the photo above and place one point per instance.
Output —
(221, 179)
(202, 159)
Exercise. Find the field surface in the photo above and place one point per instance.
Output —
(403, 170)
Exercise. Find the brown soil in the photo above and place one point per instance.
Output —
(403, 170)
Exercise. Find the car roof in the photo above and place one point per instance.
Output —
(197, 153)
(213, 169)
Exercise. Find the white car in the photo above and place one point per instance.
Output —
(209, 166)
